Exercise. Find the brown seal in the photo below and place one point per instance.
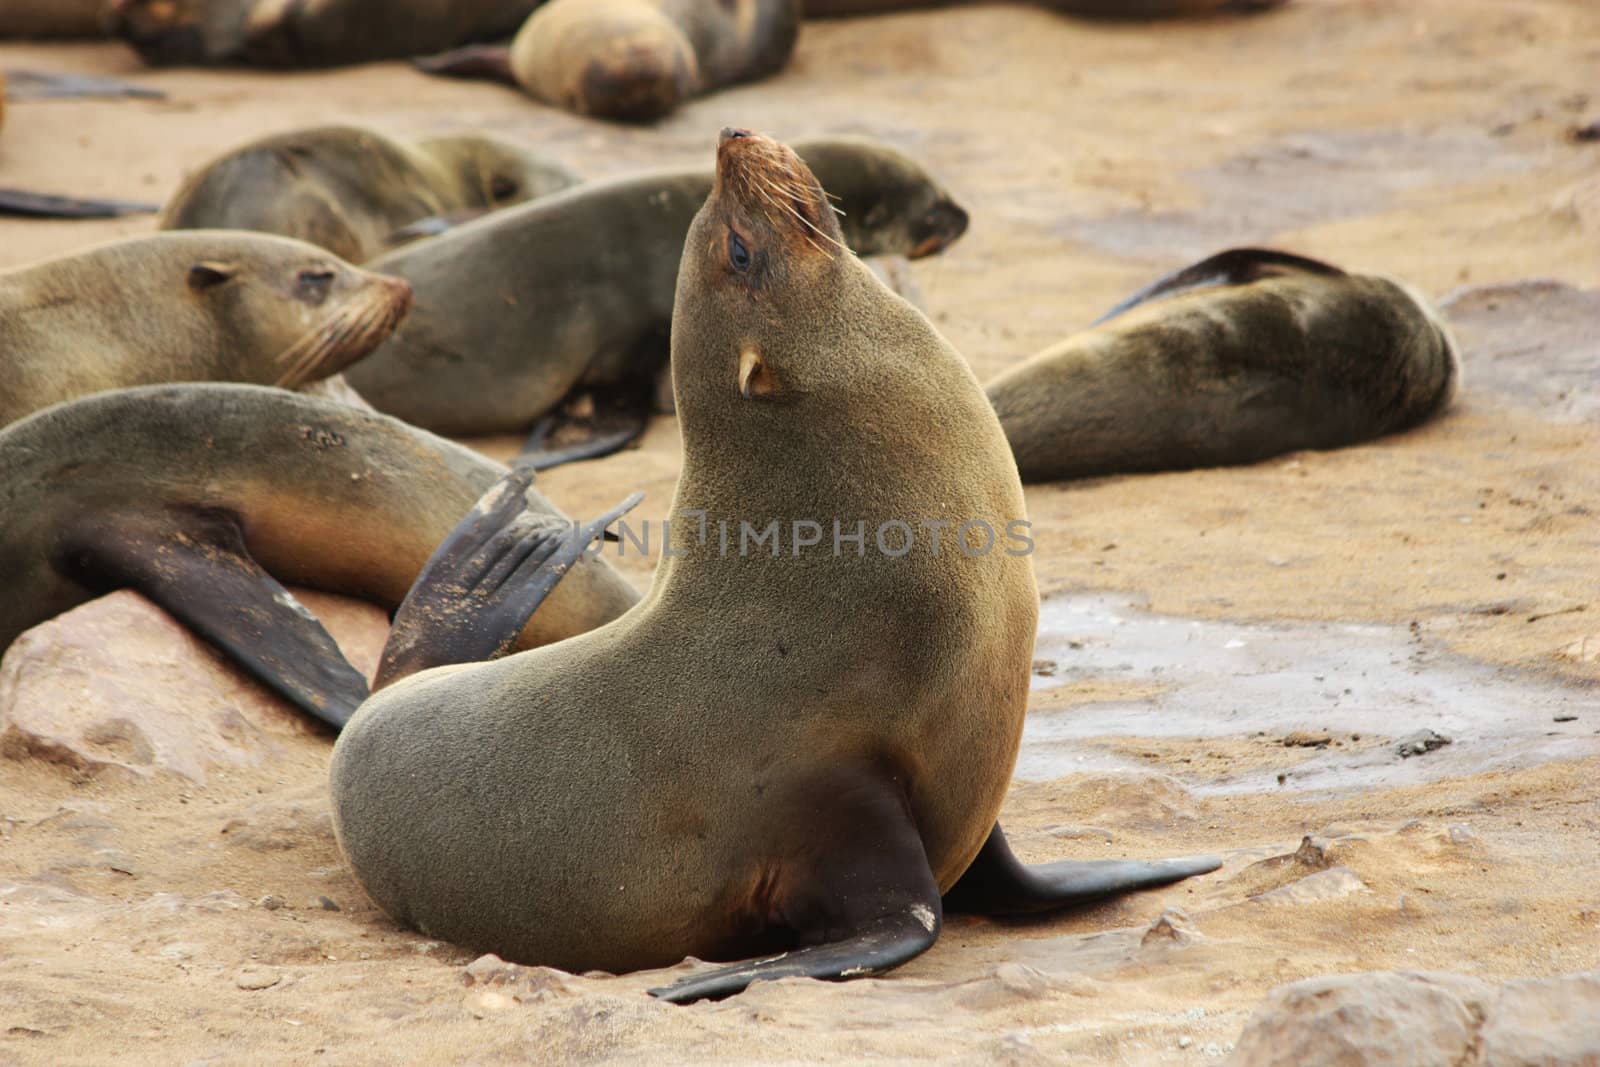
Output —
(782, 751)
(1245, 355)
(1115, 9)
(205, 497)
(635, 59)
(517, 309)
(350, 189)
(198, 306)
(275, 33)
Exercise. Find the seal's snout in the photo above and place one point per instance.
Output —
(732, 133)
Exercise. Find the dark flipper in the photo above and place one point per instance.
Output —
(616, 423)
(49, 206)
(1236, 266)
(195, 565)
(864, 901)
(485, 581)
(998, 883)
(36, 85)
(490, 62)
(882, 945)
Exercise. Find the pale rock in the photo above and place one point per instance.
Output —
(117, 685)
(1331, 884)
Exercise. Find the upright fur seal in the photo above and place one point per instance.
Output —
(516, 309)
(779, 750)
(1245, 355)
(275, 33)
(635, 59)
(349, 189)
(205, 497)
(199, 306)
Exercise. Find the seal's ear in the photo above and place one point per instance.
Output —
(203, 276)
(754, 377)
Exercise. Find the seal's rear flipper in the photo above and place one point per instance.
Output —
(485, 581)
(1236, 266)
(616, 423)
(869, 905)
(194, 564)
(49, 206)
(489, 62)
(998, 883)
(38, 85)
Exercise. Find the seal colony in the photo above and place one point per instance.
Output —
(1245, 355)
(351, 190)
(196, 306)
(516, 309)
(796, 753)
(205, 498)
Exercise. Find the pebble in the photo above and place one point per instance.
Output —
(256, 978)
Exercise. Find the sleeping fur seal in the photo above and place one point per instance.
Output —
(197, 306)
(516, 309)
(1245, 355)
(350, 189)
(276, 33)
(206, 497)
(634, 59)
(780, 753)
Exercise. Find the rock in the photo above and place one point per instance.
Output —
(1174, 927)
(1377, 1019)
(1331, 884)
(1420, 743)
(117, 685)
(1407, 1019)
(1583, 650)
(1307, 739)
(1545, 1022)
(256, 978)
(490, 969)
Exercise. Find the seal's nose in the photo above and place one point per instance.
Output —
(732, 133)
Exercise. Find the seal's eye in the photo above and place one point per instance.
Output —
(312, 285)
(502, 188)
(738, 254)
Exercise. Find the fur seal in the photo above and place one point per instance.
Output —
(1242, 356)
(635, 59)
(349, 189)
(275, 33)
(51, 18)
(204, 497)
(789, 754)
(196, 306)
(1116, 9)
(516, 309)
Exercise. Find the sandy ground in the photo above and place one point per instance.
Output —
(1447, 578)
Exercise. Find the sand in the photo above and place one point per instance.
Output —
(1446, 578)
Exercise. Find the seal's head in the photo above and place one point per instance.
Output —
(309, 312)
(489, 173)
(890, 203)
(178, 32)
(761, 266)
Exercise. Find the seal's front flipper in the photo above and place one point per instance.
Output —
(194, 564)
(49, 206)
(489, 62)
(609, 424)
(859, 900)
(485, 581)
(1236, 266)
(998, 883)
(38, 85)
